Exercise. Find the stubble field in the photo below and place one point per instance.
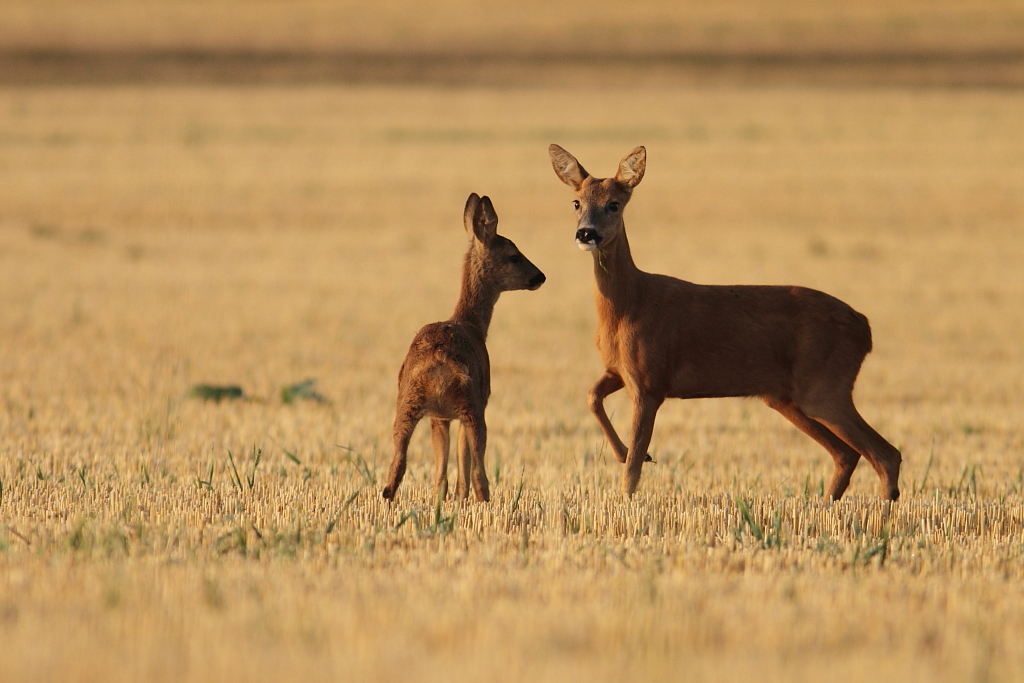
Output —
(157, 237)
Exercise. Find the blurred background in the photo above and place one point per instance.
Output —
(913, 42)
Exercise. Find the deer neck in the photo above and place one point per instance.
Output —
(477, 298)
(615, 275)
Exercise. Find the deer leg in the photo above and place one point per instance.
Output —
(608, 384)
(845, 457)
(465, 462)
(645, 408)
(477, 437)
(440, 436)
(842, 418)
(405, 422)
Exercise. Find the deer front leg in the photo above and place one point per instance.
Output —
(645, 408)
(440, 436)
(608, 384)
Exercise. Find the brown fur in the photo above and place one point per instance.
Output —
(446, 373)
(796, 348)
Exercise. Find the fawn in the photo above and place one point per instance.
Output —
(797, 349)
(447, 372)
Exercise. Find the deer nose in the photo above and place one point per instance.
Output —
(584, 235)
(536, 281)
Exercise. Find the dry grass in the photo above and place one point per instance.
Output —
(155, 238)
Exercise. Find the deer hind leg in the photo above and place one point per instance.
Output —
(476, 441)
(645, 409)
(845, 457)
(608, 384)
(439, 434)
(843, 420)
(405, 423)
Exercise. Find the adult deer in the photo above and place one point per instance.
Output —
(797, 349)
(447, 372)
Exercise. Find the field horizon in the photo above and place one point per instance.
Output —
(949, 43)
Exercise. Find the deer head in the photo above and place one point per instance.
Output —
(599, 202)
(497, 259)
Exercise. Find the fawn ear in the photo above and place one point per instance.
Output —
(485, 220)
(469, 212)
(566, 167)
(631, 168)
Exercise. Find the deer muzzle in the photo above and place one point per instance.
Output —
(535, 282)
(587, 239)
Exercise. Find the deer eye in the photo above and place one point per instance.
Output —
(576, 204)
(515, 259)
(613, 207)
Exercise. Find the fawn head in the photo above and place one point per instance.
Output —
(498, 260)
(599, 202)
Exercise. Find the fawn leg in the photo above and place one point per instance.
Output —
(477, 437)
(439, 434)
(405, 422)
(465, 462)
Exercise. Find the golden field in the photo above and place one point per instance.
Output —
(156, 237)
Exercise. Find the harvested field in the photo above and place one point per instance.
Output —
(156, 237)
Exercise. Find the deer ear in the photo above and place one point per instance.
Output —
(485, 221)
(566, 167)
(469, 212)
(631, 168)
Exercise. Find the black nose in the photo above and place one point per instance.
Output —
(588, 235)
(537, 280)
